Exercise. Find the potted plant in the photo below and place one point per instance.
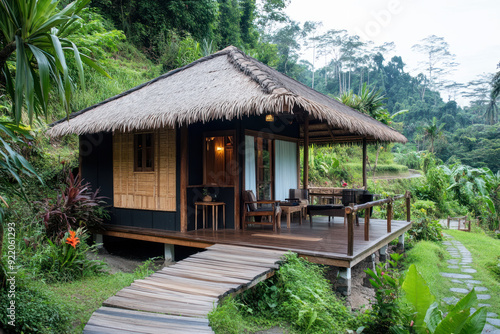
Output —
(206, 196)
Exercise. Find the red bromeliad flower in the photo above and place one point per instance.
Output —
(72, 240)
(344, 184)
(383, 273)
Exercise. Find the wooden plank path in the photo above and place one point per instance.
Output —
(178, 298)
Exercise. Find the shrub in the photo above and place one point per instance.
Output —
(387, 313)
(36, 312)
(75, 206)
(301, 296)
(66, 259)
(425, 229)
(422, 208)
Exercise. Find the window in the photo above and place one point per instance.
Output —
(143, 152)
(219, 166)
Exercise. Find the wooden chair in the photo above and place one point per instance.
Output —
(263, 212)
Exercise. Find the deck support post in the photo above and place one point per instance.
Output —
(365, 183)
(169, 251)
(370, 259)
(99, 241)
(305, 180)
(401, 242)
(382, 252)
(184, 179)
(344, 281)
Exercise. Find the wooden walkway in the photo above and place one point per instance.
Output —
(178, 298)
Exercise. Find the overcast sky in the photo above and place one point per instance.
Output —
(471, 27)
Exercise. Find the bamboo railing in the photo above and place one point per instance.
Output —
(353, 208)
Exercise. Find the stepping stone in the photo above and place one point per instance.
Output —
(453, 267)
(450, 300)
(450, 275)
(483, 297)
(452, 261)
(466, 266)
(455, 255)
(492, 315)
(494, 322)
(457, 281)
(483, 305)
(473, 281)
(468, 270)
(459, 290)
(447, 243)
(480, 289)
(488, 329)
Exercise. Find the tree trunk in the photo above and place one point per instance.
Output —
(376, 160)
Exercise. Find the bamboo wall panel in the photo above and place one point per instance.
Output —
(145, 190)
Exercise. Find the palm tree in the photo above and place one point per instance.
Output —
(433, 131)
(33, 47)
(491, 113)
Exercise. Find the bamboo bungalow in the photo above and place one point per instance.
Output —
(225, 124)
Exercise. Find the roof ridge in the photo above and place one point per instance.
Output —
(248, 65)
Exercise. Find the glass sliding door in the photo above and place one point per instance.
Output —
(264, 168)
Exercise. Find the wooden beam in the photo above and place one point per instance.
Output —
(159, 239)
(305, 181)
(326, 261)
(184, 178)
(365, 184)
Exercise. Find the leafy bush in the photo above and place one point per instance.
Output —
(66, 259)
(422, 208)
(298, 295)
(387, 312)
(36, 312)
(425, 229)
(75, 206)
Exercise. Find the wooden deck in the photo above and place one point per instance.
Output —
(178, 298)
(323, 242)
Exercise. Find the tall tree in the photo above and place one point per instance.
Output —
(249, 35)
(311, 28)
(229, 23)
(439, 61)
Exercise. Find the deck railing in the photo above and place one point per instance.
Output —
(353, 208)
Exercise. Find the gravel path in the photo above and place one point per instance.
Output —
(464, 282)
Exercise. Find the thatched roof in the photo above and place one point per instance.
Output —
(225, 85)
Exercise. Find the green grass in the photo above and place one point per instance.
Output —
(81, 298)
(485, 252)
(430, 260)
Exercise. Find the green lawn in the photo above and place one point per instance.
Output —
(430, 260)
(81, 298)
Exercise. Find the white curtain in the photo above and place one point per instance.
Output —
(285, 168)
(250, 181)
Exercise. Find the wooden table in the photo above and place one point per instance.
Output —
(215, 213)
(288, 210)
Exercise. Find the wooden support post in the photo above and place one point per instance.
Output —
(305, 180)
(184, 178)
(350, 233)
(389, 216)
(408, 206)
(365, 182)
(367, 224)
(448, 222)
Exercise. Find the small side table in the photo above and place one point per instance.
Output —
(288, 210)
(215, 213)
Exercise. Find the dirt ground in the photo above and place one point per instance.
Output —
(117, 263)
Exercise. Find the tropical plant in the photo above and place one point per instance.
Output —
(76, 205)
(66, 259)
(491, 113)
(429, 319)
(35, 38)
(425, 229)
(433, 132)
(387, 313)
(12, 167)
